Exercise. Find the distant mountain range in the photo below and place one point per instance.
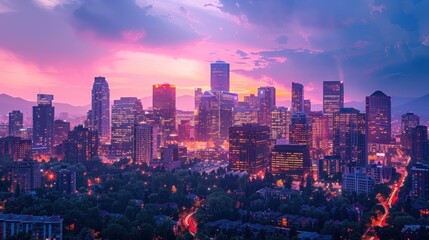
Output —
(9, 103)
(400, 105)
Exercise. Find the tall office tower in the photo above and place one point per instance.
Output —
(419, 143)
(297, 101)
(43, 122)
(81, 144)
(100, 109)
(16, 123)
(244, 115)
(307, 106)
(164, 108)
(291, 159)
(320, 134)
(420, 181)
(279, 123)
(227, 102)
(126, 112)
(184, 130)
(409, 121)
(15, 148)
(300, 130)
(66, 181)
(145, 143)
(219, 76)
(61, 131)
(207, 124)
(197, 96)
(267, 102)
(253, 101)
(333, 96)
(25, 176)
(249, 148)
(378, 114)
(349, 136)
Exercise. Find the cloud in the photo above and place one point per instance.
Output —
(281, 39)
(40, 36)
(125, 20)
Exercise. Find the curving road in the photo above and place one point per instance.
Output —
(190, 223)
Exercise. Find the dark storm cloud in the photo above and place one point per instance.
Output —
(113, 19)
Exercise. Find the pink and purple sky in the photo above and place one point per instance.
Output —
(60, 45)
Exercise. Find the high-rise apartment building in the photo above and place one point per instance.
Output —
(419, 143)
(16, 123)
(409, 121)
(145, 143)
(43, 122)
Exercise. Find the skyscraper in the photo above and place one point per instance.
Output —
(307, 106)
(297, 100)
(126, 112)
(207, 123)
(333, 96)
(249, 148)
(320, 134)
(145, 143)
(100, 109)
(43, 122)
(409, 121)
(164, 108)
(81, 144)
(349, 136)
(378, 113)
(300, 130)
(419, 143)
(227, 102)
(280, 120)
(197, 96)
(219, 76)
(267, 101)
(16, 123)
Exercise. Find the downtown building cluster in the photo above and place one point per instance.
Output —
(254, 134)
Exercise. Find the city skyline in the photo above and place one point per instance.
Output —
(214, 119)
(134, 55)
